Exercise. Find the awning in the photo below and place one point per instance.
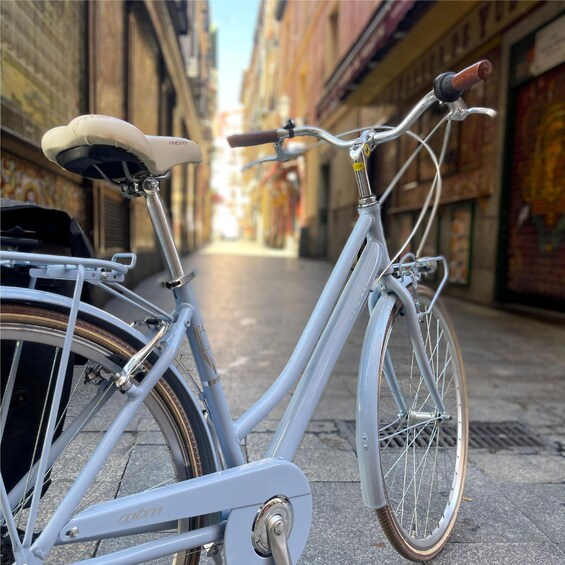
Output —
(391, 21)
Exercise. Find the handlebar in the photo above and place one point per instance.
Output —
(253, 138)
(448, 87)
(472, 75)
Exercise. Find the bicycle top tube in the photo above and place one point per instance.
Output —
(448, 88)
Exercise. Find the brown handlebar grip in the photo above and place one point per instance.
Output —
(253, 138)
(472, 75)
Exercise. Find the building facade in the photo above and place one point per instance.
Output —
(232, 217)
(150, 63)
(501, 219)
(274, 206)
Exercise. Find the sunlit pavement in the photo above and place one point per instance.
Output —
(244, 247)
(256, 301)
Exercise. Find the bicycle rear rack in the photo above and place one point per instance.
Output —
(104, 274)
(62, 267)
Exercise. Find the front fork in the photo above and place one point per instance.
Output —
(419, 347)
(382, 303)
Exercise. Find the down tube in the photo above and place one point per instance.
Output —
(305, 399)
(312, 331)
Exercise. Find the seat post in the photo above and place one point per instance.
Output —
(162, 228)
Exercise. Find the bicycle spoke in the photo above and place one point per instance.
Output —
(410, 444)
(62, 464)
(109, 473)
(41, 426)
(422, 468)
(413, 481)
(159, 435)
(9, 386)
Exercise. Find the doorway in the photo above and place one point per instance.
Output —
(533, 209)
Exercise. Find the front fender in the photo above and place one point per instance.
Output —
(367, 435)
(100, 317)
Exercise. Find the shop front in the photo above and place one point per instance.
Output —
(532, 245)
(501, 220)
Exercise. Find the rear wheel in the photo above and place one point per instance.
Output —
(423, 458)
(160, 445)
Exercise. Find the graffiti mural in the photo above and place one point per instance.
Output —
(23, 181)
(536, 218)
(544, 187)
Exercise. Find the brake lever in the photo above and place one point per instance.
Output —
(281, 155)
(479, 110)
(459, 111)
(258, 162)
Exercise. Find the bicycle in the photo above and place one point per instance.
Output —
(194, 488)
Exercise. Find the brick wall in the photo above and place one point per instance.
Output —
(43, 71)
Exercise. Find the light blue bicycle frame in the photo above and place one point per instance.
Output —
(242, 488)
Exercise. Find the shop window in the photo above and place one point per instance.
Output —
(332, 42)
(460, 238)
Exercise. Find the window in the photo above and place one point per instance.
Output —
(332, 41)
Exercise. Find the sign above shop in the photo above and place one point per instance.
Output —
(549, 47)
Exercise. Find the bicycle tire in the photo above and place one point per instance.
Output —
(423, 460)
(159, 446)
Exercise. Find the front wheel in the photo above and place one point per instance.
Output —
(423, 458)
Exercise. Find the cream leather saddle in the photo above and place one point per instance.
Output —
(102, 147)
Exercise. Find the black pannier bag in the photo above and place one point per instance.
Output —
(30, 228)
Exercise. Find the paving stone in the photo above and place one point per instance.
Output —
(320, 459)
(525, 553)
(488, 516)
(543, 504)
(502, 467)
(343, 530)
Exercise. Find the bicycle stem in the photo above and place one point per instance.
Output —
(358, 154)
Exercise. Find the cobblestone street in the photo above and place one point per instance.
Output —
(256, 302)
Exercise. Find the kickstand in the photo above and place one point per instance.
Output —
(214, 550)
